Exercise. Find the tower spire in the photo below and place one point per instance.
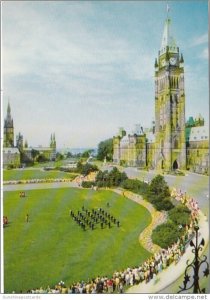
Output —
(8, 129)
(168, 42)
(167, 9)
(8, 108)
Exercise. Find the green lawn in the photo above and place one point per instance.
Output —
(52, 247)
(34, 174)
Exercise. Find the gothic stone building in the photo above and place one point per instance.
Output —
(14, 156)
(11, 154)
(170, 144)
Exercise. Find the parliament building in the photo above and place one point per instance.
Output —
(20, 154)
(171, 143)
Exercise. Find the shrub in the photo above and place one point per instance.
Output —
(163, 204)
(10, 166)
(109, 179)
(180, 215)
(135, 186)
(88, 168)
(166, 234)
(88, 184)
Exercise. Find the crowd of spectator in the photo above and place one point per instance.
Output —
(121, 280)
(189, 202)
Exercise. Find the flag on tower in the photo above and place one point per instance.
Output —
(168, 8)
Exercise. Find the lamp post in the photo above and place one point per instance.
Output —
(194, 266)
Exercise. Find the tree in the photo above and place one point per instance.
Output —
(59, 156)
(88, 168)
(105, 150)
(69, 155)
(115, 177)
(79, 167)
(112, 178)
(87, 153)
(34, 154)
(42, 158)
(158, 186)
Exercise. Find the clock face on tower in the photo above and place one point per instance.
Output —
(172, 60)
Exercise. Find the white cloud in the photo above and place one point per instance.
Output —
(205, 53)
(140, 67)
(200, 40)
(39, 44)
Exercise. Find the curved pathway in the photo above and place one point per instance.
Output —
(157, 219)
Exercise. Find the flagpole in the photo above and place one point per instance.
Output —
(167, 8)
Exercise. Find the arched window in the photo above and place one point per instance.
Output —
(176, 143)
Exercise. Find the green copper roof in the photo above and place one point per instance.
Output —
(167, 39)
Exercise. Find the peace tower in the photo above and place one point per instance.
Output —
(170, 141)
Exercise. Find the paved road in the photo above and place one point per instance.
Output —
(193, 184)
(38, 186)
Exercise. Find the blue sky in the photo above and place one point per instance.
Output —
(84, 69)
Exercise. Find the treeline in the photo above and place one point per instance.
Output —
(83, 169)
(114, 178)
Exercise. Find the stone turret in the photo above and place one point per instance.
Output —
(8, 129)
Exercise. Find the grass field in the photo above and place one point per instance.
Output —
(52, 247)
(34, 174)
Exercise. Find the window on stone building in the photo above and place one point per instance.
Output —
(176, 143)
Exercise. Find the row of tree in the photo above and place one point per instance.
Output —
(110, 179)
(105, 150)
